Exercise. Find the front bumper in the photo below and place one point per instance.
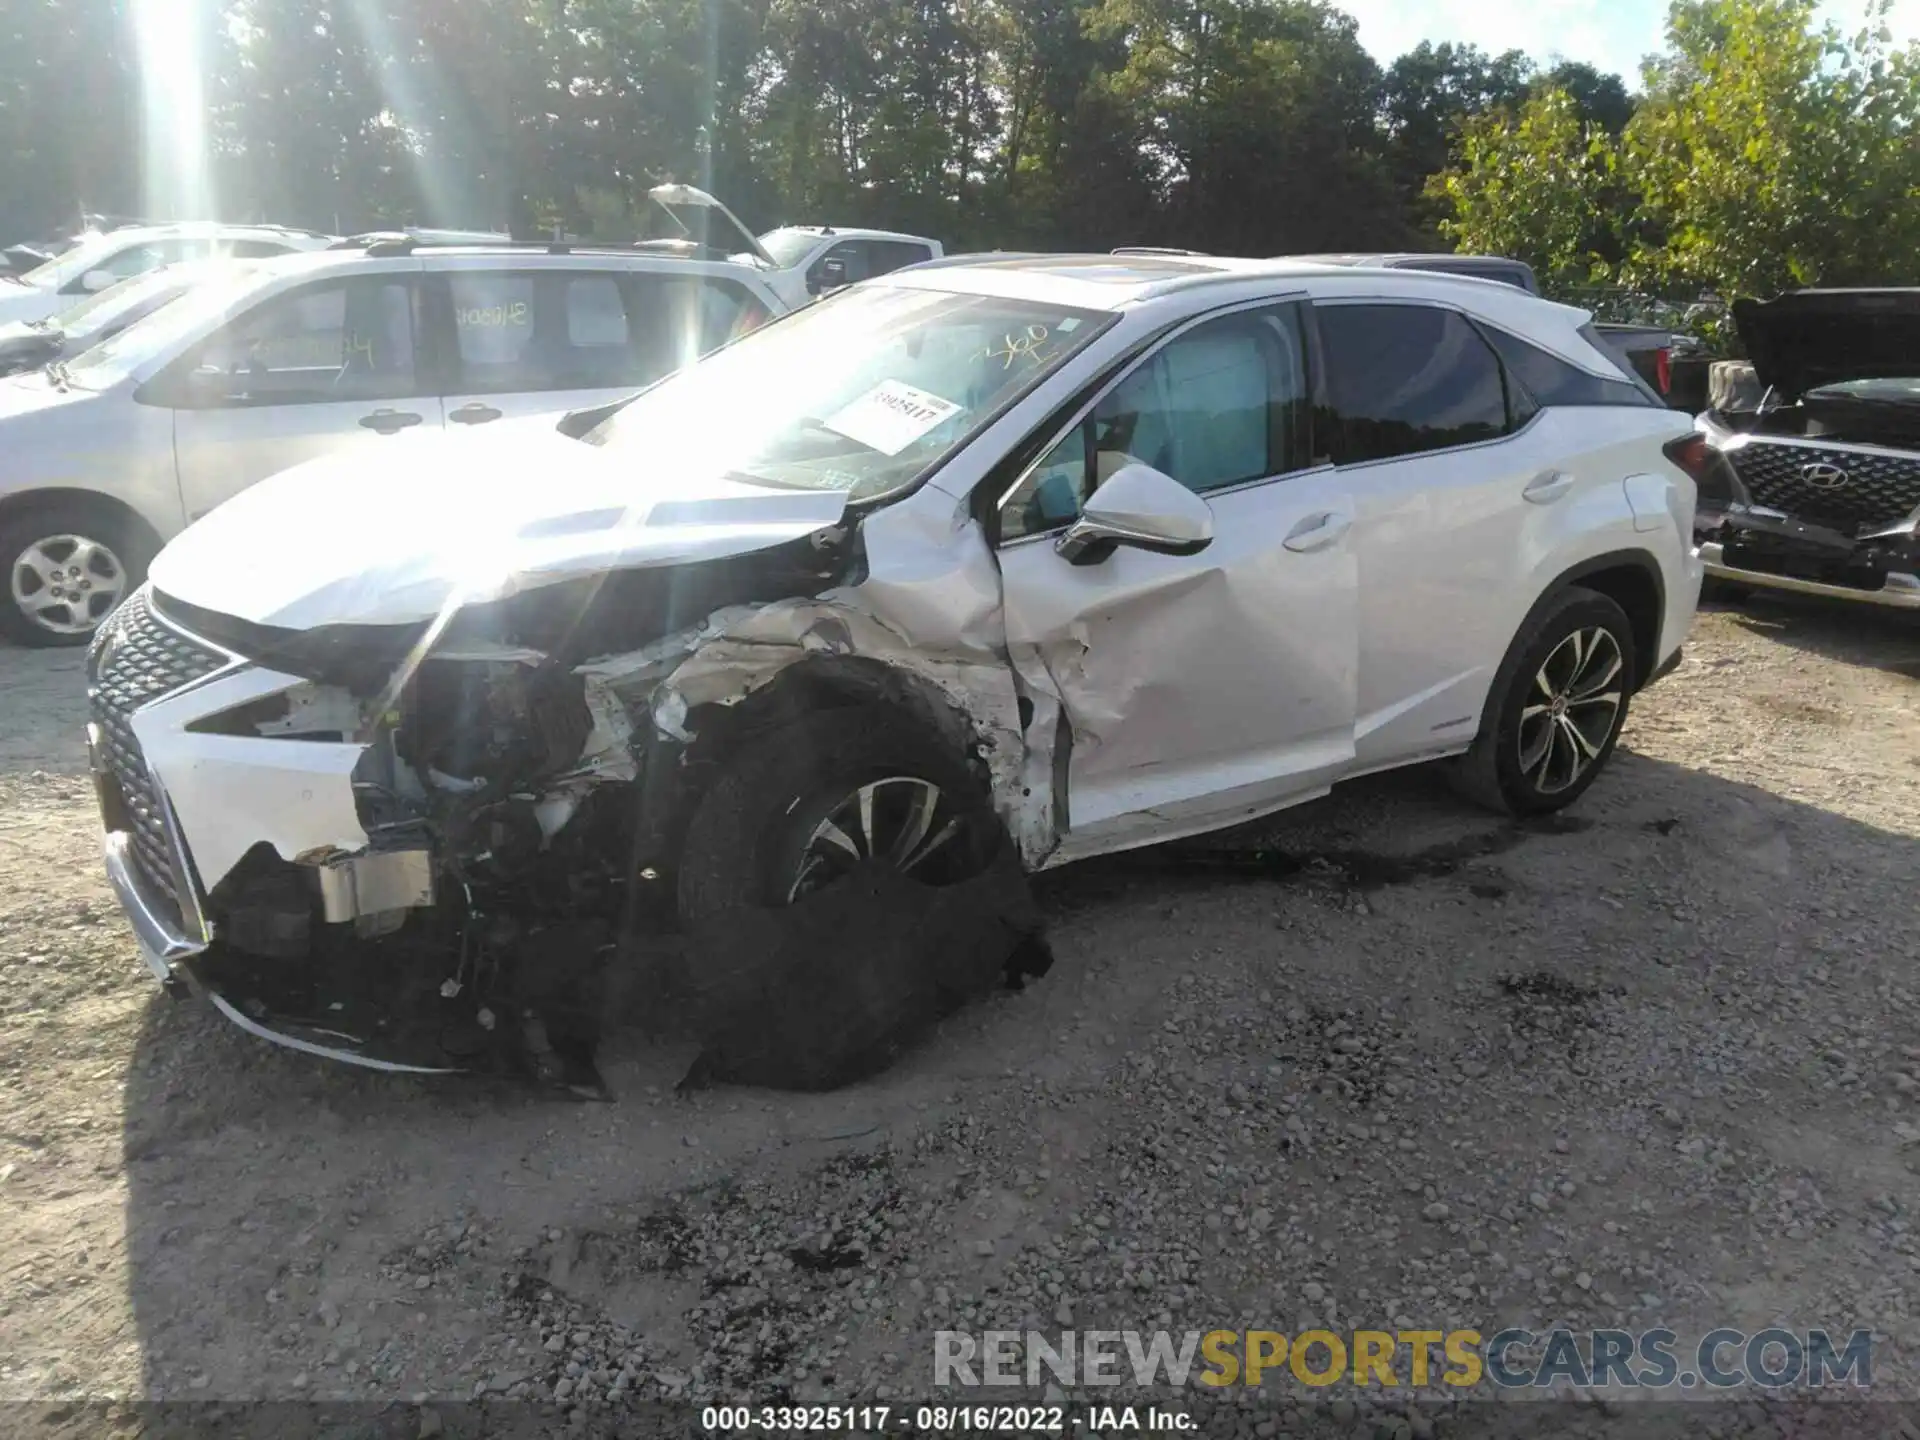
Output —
(178, 961)
(163, 942)
(1898, 590)
(1811, 517)
(182, 807)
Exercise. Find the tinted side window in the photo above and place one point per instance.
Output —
(340, 340)
(1223, 404)
(1552, 381)
(855, 255)
(256, 249)
(890, 255)
(533, 330)
(677, 319)
(1403, 379)
(138, 259)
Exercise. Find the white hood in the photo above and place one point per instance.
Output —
(396, 530)
(29, 302)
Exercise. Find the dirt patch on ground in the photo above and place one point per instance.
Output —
(1657, 1065)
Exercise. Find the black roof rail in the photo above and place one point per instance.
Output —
(1158, 250)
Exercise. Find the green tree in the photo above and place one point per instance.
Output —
(1770, 152)
(1532, 185)
(1262, 116)
(1427, 94)
(1601, 99)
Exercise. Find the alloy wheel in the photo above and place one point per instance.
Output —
(1571, 709)
(901, 821)
(67, 584)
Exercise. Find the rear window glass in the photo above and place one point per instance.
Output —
(1553, 381)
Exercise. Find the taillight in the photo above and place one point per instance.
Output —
(1691, 453)
(1663, 369)
(1713, 477)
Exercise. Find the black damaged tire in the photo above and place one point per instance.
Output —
(1550, 689)
(847, 961)
(743, 833)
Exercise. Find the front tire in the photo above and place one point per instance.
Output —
(67, 565)
(812, 801)
(1556, 708)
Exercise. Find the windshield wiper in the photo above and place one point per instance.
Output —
(56, 371)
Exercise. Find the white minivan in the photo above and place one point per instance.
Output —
(111, 454)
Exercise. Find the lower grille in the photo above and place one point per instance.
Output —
(135, 659)
(1849, 490)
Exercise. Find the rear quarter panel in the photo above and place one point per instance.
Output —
(1629, 500)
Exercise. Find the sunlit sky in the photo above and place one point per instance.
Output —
(1610, 34)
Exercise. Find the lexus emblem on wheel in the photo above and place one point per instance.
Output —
(1822, 476)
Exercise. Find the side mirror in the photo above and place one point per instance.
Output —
(827, 275)
(208, 385)
(1140, 507)
(94, 281)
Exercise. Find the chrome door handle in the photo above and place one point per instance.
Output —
(1316, 532)
(474, 414)
(389, 422)
(1547, 488)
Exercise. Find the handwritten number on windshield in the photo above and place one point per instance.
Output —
(1018, 346)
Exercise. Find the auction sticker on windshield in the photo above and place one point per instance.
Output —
(891, 416)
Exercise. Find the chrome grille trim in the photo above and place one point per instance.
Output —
(136, 658)
(1883, 486)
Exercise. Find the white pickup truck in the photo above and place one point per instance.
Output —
(801, 262)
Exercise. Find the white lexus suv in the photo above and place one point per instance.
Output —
(1043, 557)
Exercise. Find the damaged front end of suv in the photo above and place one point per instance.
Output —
(449, 801)
(1819, 492)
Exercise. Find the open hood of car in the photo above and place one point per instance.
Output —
(1809, 338)
(400, 530)
(701, 217)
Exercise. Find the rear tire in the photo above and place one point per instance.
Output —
(1556, 708)
(67, 564)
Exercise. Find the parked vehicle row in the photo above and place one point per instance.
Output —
(113, 452)
(1023, 557)
(30, 344)
(104, 260)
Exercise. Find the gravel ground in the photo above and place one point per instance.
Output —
(1655, 1064)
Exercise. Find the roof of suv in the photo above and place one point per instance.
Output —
(1124, 282)
(1111, 282)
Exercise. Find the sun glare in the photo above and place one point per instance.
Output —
(177, 168)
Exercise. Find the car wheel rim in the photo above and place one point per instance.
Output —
(66, 584)
(1571, 710)
(902, 822)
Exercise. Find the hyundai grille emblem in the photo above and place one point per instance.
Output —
(1822, 476)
